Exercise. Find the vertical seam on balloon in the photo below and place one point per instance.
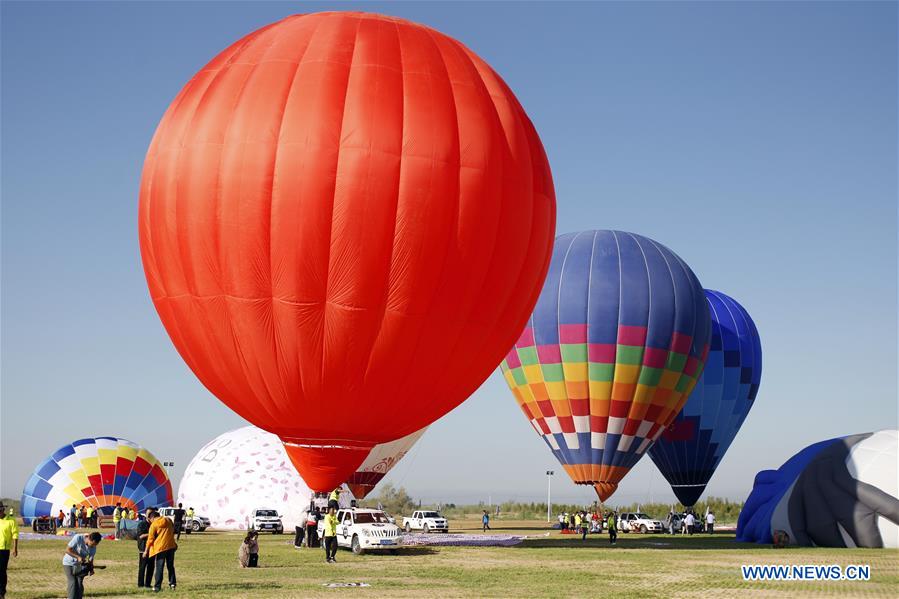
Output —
(702, 464)
(65, 474)
(744, 413)
(718, 415)
(692, 285)
(587, 346)
(285, 393)
(245, 366)
(581, 450)
(453, 234)
(72, 480)
(526, 128)
(469, 65)
(176, 321)
(674, 413)
(120, 442)
(564, 441)
(476, 80)
(611, 445)
(632, 449)
(99, 470)
(151, 176)
(324, 318)
(396, 196)
(149, 467)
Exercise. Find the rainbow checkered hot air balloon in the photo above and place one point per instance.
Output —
(692, 446)
(99, 472)
(612, 350)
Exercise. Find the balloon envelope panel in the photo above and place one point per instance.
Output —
(344, 209)
(379, 462)
(614, 346)
(98, 472)
(690, 449)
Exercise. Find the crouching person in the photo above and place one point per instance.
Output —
(248, 554)
(78, 562)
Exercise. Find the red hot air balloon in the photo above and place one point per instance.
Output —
(345, 220)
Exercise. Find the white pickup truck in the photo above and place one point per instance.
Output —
(426, 521)
(365, 530)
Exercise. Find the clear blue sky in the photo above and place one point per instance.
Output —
(757, 140)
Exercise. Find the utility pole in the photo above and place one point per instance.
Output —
(549, 486)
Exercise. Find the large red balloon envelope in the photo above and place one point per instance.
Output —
(345, 220)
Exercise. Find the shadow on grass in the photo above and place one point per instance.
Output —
(663, 542)
(223, 587)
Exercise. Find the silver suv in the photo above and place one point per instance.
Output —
(195, 524)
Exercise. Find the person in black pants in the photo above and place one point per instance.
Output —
(161, 547)
(144, 564)
(330, 536)
(179, 521)
(166, 558)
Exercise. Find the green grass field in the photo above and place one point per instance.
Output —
(554, 566)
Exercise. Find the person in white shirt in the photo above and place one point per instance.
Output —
(690, 521)
(710, 523)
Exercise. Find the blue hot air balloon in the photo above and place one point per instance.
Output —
(690, 449)
(614, 346)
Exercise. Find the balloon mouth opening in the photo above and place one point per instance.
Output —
(325, 465)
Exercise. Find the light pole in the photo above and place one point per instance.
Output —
(549, 486)
(169, 466)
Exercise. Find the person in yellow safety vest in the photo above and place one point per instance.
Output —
(9, 542)
(613, 528)
(577, 521)
(90, 516)
(333, 499)
(117, 518)
(330, 535)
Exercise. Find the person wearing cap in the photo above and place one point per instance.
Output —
(9, 543)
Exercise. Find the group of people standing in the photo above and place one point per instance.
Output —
(688, 523)
(83, 517)
(156, 548)
(581, 522)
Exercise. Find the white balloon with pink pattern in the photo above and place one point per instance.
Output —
(243, 470)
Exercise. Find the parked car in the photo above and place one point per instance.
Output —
(196, 524)
(364, 530)
(426, 521)
(265, 519)
(639, 522)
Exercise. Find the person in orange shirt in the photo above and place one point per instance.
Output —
(161, 546)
